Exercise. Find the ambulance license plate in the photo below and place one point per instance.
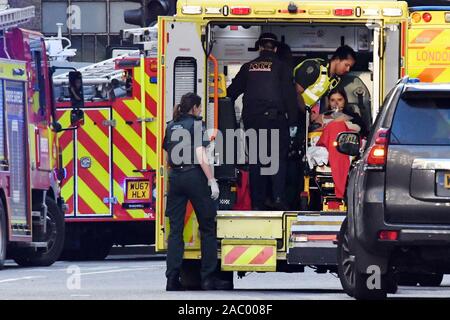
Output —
(447, 181)
(138, 189)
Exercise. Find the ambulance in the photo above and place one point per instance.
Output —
(202, 47)
(428, 44)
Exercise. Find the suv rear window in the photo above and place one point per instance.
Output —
(422, 121)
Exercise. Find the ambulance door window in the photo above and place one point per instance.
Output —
(185, 77)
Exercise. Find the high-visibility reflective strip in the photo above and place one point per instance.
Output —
(248, 255)
(88, 200)
(190, 233)
(93, 182)
(231, 256)
(151, 96)
(311, 95)
(429, 54)
(431, 74)
(65, 140)
(426, 36)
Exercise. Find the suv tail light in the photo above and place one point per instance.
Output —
(378, 152)
(388, 235)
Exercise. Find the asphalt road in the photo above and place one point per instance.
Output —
(142, 278)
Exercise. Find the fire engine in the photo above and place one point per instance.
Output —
(428, 51)
(110, 161)
(203, 46)
(31, 207)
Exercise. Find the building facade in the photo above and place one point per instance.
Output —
(91, 26)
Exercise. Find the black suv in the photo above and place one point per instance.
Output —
(398, 224)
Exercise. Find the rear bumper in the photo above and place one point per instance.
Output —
(425, 236)
(371, 222)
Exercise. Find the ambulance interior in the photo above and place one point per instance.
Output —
(234, 45)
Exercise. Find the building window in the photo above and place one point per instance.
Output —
(53, 13)
(93, 17)
(116, 20)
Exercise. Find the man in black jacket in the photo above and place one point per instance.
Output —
(269, 103)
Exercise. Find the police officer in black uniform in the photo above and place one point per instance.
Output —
(269, 102)
(190, 178)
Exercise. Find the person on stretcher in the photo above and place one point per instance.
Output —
(338, 110)
(334, 121)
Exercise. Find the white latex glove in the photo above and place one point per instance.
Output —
(214, 189)
(292, 131)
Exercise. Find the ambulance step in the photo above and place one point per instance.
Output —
(318, 216)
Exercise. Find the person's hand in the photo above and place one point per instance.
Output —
(214, 188)
(292, 131)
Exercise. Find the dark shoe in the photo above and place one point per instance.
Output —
(280, 205)
(174, 284)
(213, 283)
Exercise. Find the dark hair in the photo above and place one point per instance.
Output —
(344, 52)
(341, 92)
(187, 102)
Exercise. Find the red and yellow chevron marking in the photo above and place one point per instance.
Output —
(251, 255)
(429, 54)
(191, 235)
(93, 182)
(127, 137)
(125, 146)
(66, 143)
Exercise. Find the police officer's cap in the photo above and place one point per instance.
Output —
(267, 36)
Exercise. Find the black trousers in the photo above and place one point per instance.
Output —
(259, 183)
(183, 186)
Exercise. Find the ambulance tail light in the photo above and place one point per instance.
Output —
(427, 17)
(416, 17)
(392, 12)
(343, 12)
(378, 152)
(240, 11)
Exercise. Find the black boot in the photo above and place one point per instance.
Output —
(280, 205)
(174, 284)
(214, 283)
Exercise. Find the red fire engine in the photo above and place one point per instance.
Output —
(110, 160)
(31, 209)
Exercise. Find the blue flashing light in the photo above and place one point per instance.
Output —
(153, 80)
